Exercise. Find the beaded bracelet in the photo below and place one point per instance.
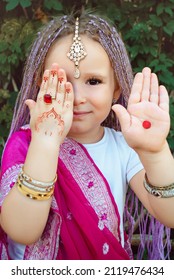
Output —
(160, 192)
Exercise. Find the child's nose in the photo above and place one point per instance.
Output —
(79, 96)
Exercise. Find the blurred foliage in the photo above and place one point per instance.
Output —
(147, 28)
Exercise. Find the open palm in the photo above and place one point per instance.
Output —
(148, 102)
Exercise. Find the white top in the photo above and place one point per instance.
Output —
(117, 162)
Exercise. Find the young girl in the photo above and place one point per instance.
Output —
(65, 171)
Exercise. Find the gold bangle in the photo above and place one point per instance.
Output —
(26, 189)
(33, 195)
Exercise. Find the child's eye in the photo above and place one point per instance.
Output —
(94, 81)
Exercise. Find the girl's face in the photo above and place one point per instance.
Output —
(94, 90)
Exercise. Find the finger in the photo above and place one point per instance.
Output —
(53, 81)
(146, 84)
(44, 85)
(154, 89)
(163, 98)
(69, 96)
(60, 97)
(135, 95)
(123, 116)
(30, 103)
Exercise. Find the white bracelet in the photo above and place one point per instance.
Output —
(35, 188)
(25, 177)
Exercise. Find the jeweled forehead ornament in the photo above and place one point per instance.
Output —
(77, 50)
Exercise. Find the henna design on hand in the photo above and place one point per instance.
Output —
(45, 78)
(60, 79)
(52, 113)
(68, 90)
(53, 72)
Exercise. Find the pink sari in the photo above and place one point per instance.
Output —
(83, 223)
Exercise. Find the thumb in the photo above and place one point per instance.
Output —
(30, 103)
(122, 115)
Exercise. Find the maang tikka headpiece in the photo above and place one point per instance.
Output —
(77, 50)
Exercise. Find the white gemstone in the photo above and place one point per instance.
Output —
(77, 48)
(76, 73)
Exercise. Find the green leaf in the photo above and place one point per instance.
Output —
(16, 47)
(141, 63)
(166, 78)
(169, 28)
(154, 52)
(3, 46)
(154, 36)
(25, 3)
(12, 4)
(12, 59)
(169, 11)
(160, 9)
(134, 51)
(53, 4)
(3, 58)
(156, 21)
(114, 14)
(122, 23)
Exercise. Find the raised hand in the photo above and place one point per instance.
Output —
(51, 115)
(148, 102)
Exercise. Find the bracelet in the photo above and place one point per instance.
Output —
(33, 195)
(27, 178)
(160, 192)
(32, 191)
(33, 187)
(169, 187)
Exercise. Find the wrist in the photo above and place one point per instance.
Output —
(154, 155)
(45, 142)
(159, 166)
(42, 159)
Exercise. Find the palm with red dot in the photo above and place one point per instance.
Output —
(146, 121)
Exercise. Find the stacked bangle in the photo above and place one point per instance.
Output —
(34, 189)
(161, 192)
(34, 182)
(34, 195)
